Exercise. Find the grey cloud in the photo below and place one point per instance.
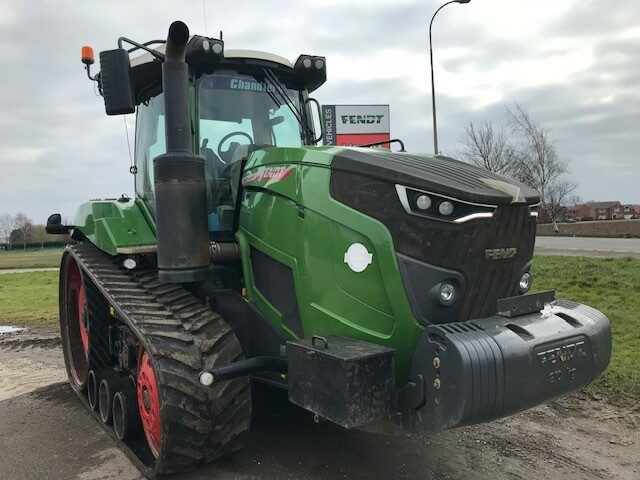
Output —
(58, 149)
(590, 17)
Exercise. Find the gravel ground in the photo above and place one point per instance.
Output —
(45, 433)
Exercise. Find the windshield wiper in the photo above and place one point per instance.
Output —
(280, 90)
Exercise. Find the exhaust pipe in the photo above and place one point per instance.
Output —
(180, 189)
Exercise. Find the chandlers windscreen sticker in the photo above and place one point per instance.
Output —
(244, 83)
(356, 124)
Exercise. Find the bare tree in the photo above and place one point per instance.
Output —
(488, 148)
(538, 162)
(7, 224)
(40, 234)
(558, 198)
(23, 230)
(575, 200)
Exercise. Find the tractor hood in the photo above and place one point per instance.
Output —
(435, 174)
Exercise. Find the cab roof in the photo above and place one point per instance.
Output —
(228, 54)
(146, 71)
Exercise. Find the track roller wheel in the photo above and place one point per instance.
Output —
(73, 323)
(149, 403)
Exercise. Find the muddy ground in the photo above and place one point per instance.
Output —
(46, 434)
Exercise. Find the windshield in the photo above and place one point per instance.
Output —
(233, 110)
(237, 109)
(250, 106)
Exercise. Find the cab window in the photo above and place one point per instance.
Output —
(150, 142)
(236, 110)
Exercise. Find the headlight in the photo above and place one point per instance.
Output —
(439, 207)
(129, 263)
(525, 282)
(446, 208)
(423, 202)
(447, 293)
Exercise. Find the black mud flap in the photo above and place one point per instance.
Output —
(466, 373)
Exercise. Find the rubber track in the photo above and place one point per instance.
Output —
(183, 337)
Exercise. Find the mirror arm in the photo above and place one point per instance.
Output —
(143, 46)
(146, 44)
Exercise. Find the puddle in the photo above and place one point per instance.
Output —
(4, 329)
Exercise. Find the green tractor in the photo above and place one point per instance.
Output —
(379, 288)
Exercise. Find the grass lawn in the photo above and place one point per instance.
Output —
(610, 285)
(613, 287)
(29, 299)
(49, 257)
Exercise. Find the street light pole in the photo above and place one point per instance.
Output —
(433, 88)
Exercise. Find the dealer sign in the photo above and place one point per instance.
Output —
(356, 124)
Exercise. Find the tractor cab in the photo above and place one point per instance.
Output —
(241, 100)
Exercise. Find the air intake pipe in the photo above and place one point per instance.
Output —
(180, 189)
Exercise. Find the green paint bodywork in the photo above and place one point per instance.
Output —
(110, 224)
(295, 220)
(290, 215)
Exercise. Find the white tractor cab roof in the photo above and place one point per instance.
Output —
(228, 53)
(205, 55)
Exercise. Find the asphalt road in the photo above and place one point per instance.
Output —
(26, 270)
(589, 247)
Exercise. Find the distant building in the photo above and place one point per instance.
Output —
(612, 210)
(608, 210)
(631, 211)
(582, 211)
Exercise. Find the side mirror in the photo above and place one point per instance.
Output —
(115, 82)
(320, 117)
(54, 225)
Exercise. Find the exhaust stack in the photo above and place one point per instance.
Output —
(180, 189)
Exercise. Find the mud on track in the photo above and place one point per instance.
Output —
(45, 434)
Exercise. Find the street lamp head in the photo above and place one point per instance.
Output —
(463, 1)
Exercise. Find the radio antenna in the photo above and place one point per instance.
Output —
(204, 14)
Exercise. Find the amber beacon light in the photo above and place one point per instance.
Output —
(87, 55)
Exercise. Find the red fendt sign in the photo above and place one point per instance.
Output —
(356, 124)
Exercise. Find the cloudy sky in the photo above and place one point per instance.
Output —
(575, 65)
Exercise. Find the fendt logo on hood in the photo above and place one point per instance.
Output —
(361, 119)
(500, 253)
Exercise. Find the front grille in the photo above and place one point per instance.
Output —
(489, 280)
(459, 247)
